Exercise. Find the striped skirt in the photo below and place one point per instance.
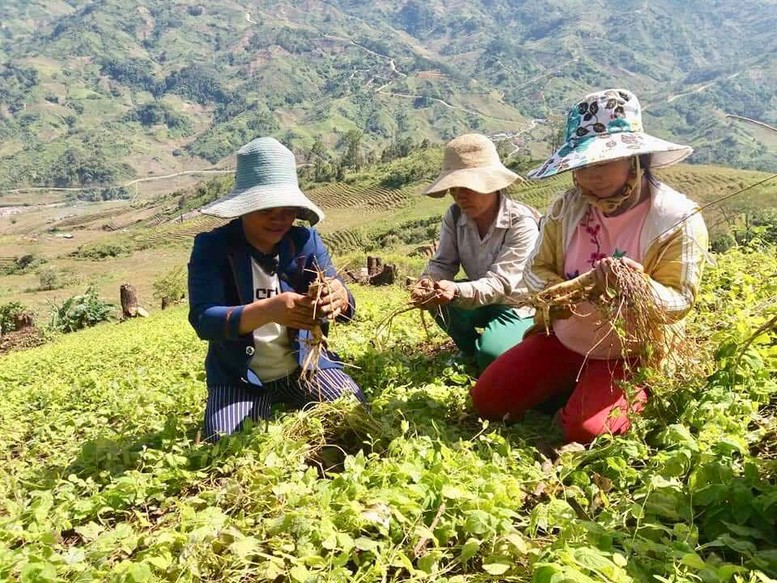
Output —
(228, 405)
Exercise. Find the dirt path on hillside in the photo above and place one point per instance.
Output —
(125, 185)
(671, 98)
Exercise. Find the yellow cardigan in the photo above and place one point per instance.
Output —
(673, 246)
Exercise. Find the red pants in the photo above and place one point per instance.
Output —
(541, 367)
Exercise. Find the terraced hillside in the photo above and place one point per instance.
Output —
(107, 243)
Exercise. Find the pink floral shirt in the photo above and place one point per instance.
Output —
(596, 237)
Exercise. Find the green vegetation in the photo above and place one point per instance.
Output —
(79, 312)
(50, 278)
(23, 264)
(105, 477)
(75, 167)
(102, 251)
(153, 114)
(9, 314)
(164, 86)
(171, 287)
(100, 194)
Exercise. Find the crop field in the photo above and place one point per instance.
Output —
(342, 196)
(155, 231)
(105, 478)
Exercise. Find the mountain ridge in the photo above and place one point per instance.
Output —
(126, 90)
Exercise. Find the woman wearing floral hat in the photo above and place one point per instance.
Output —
(617, 211)
(490, 236)
(247, 295)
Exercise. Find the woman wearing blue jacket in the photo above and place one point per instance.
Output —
(248, 282)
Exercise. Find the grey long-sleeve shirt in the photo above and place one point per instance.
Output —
(494, 264)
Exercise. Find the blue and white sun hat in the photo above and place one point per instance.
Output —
(265, 178)
(605, 126)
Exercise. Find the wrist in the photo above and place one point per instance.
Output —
(256, 314)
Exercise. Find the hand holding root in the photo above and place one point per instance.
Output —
(622, 292)
(606, 271)
(320, 287)
(608, 274)
(427, 293)
(331, 298)
(293, 310)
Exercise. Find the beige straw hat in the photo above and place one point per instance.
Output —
(471, 161)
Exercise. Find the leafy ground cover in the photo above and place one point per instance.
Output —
(104, 476)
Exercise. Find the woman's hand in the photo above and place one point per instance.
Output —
(292, 310)
(444, 292)
(603, 272)
(333, 301)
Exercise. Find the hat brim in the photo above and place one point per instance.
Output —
(241, 202)
(603, 148)
(484, 179)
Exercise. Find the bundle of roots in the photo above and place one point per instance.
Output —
(317, 342)
(422, 292)
(626, 304)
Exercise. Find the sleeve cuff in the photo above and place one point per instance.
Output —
(466, 292)
(232, 323)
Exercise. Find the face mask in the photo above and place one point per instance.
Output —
(613, 203)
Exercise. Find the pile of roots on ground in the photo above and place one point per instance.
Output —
(627, 305)
(332, 430)
(20, 339)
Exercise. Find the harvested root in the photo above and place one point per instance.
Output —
(422, 293)
(635, 315)
(559, 298)
(627, 305)
(317, 342)
(568, 293)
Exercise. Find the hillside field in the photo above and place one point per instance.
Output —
(104, 476)
(138, 241)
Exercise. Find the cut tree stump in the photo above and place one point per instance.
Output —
(374, 265)
(129, 302)
(23, 320)
(386, 276)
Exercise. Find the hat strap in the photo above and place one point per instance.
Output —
(612, 203)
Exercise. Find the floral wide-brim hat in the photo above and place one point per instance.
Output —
(606, 126)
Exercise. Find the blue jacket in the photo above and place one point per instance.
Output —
(221, 284)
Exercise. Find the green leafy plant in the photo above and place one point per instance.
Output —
(22, 264)
(9, 313)
(171, 287)
(101, 251)
(81, 311)
(50, 278)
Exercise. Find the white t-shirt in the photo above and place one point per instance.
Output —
(273, 357)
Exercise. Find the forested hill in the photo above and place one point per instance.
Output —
(101, 91)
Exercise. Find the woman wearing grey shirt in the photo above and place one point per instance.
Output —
(490, 237)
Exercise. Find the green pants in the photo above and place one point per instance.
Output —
(502, 328)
